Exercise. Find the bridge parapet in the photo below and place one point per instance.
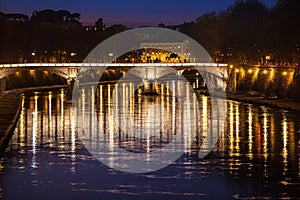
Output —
(65, 70)
(150, 71)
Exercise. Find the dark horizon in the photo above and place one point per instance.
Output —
(133, 13)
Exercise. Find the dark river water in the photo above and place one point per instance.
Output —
(49, 157)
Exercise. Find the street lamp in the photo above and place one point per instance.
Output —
(33, 55)
(73, 54)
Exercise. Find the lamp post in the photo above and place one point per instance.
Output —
(33, 56)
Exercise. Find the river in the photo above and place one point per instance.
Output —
(258, 155)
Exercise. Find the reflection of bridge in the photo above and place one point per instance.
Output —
(147, 71)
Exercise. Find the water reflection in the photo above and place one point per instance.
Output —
(250, 153)
(138, 123)
(258, 157)
(284, 150)
(22, 119)
(250, 131)
(261, 139)
(265, 140)
(134, 122)
(34, 132)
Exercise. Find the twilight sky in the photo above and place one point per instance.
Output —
(130, 12)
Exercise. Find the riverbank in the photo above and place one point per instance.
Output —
(258, 100)
(10, 108)
(39, 88)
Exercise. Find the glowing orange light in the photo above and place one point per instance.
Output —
(284, 73)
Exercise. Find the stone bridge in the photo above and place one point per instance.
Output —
(145, 71)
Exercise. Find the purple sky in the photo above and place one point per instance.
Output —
(131, 12)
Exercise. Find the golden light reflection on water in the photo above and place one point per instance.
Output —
(262, 142)
(250, 153)
(34, 132)
(231, 131)
(265, 140)
(250, 131)
(205, 121)
(142, 123)
(110, 124)
(272, 135)
(234, 137)
(92, 110)
(204, 116)
(22, 123)
(231, 138)
(101, 114)
(285, 143)
(187, 117)
(260, 139)
(50, 113)
(83, 106)
(73, 119)
(237, 131)
(39, 126)
(62, 119)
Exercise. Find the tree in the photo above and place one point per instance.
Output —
(45, 16)
(99, 24)
(17, 17)
(287, 17)
(74, 17)
(63, 15)
(245, 29)
(162, 25)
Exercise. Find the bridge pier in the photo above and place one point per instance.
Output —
(72, 72)
(2, 85)
(232, 83)
(179, 73)
(150, 88)
(72, 83)
(150, 73)
(72, 80)
(225, 82)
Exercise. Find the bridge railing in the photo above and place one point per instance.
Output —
(111, 64)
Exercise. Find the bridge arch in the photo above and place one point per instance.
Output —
(4, 72)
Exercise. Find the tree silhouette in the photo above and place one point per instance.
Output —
(99, 24)
(162, 25)
(74, 17)
(45, 16)
(17, 17)
(55, 17)
(63, 15)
